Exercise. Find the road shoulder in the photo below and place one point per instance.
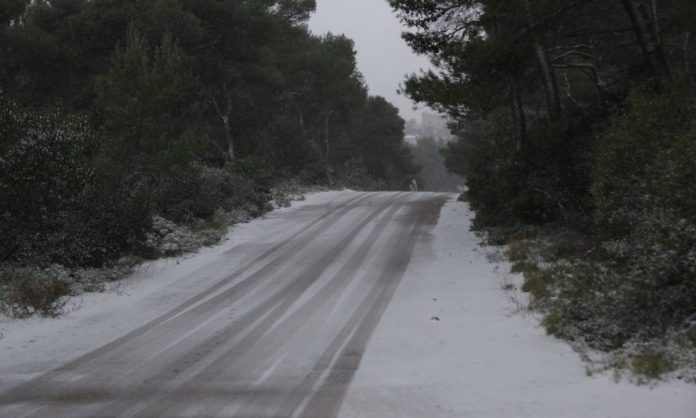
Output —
(452, 344)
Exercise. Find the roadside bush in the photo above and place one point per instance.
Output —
(354, 175)
(57, 207)
(287, 148)
(638, 284)
(26, 291)
(111, 221)
(181, 196)
(284, 193)
(545, 181)
(643, 162)
(193, 192)
(645, 195)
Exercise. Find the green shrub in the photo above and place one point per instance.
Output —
(538, 283)
(289, 152)
(552, 323)
(111, 221)
(354, 175)
(58, 206)
(184, 194)
(652, 365)
(638, 284)
(645, 196)
(545, 181)
(524, 267)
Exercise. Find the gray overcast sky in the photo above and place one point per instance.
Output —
(383, 57)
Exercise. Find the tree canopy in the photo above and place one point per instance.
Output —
(187, 104)
(575, 115)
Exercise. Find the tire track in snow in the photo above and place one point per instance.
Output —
(305, 315)
(188, 362)
(43, 385)
(272, 309)
(326, 401)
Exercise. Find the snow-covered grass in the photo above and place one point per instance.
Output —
(458, 341)
(153, 288)
(584, 299)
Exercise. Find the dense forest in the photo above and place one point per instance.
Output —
(577, 137)
(140, 128)
(115, 113)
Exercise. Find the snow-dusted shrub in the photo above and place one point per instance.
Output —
(96, 279)
(645, 198)
(630, 289)
(645, 361)
(180, 239)
(354, 175)
(171, 239)
(57, 205)
(180, 196)
(30, 291)
(184, 194)
(595, 300)
(284, 193)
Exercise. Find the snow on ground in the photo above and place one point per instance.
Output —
(453, 344)
(155, 287)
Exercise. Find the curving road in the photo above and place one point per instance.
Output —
(280, 335)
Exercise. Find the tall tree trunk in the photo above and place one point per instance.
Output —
(518, 114)
(685, 52)
(224, 115)
(656, 20)
(228, 137)
(553, 99)
(300, 118)
(326, 133)
(645, 28)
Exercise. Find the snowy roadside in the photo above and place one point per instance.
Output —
(155, 287)
(453, 344)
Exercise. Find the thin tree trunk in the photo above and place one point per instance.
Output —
(601, 85)
(326, 134)
(656, 20)
(550, 84)
(518, 114)
(300, 117)
(228, 137)
(553, 99)
(649, 42)
(227, 129)
(685, 52)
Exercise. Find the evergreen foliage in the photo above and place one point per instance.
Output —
(575, 116)
(113, 112)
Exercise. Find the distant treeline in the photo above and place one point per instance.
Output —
(114, 111)
(578, 116)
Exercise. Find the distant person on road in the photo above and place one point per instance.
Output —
(414, 185)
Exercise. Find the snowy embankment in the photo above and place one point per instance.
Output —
(94, 319)
(454, 344)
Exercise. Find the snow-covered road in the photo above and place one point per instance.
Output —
(277, 330)
(453, 343)
(348, 304)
